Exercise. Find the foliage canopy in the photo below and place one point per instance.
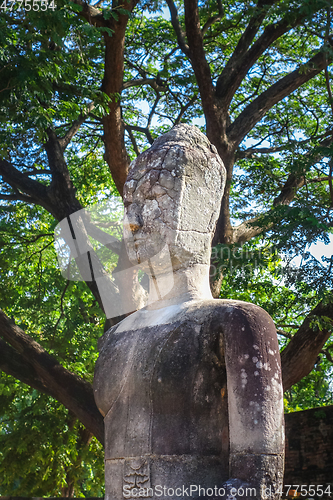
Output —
(84, 89)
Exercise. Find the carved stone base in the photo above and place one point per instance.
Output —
(152, 476)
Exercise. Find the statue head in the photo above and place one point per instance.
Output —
(172, 197)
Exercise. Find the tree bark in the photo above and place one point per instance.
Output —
(12, 363)
(71, 390)
(300, 355)
(115, 151)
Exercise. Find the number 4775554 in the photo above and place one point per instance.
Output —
(311, 490)
(28, 5)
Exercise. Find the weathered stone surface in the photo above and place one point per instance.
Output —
(190, 387)
(182, 164)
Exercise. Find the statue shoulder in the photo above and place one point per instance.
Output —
(106, 335)
(228, 308)
(245, 326)
(227, 311)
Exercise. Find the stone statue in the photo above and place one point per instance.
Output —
(189, 387)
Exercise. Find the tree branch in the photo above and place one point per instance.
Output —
(115, 150)
(37, 193)
(330, 181)
(330, 97)
(300, 355)
(202, 70)
(252, 227)
(248, 230)
(59, 199)
(287, 194)
(177, 27)
(15, 365)
(153, 109)
(244, 58)
(144, 81)
(253, 113)
(64, 141)
(133, 140)
(213, 19)
(91, 14)
(144, 130)
(99, 235)
(72, 391)
(183, 109)
(18, 197)
(295, 182)
(141, 71)
(36, 171)
(328, 355)
(327, 78)
(284, 334)
(290, 145)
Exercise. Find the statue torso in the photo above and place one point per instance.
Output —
(163, 394)
(160, 382)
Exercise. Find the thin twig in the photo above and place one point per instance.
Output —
(284, 334)
(64, 141)
(137, 82)
(133, 141)
(152, 111)
(32, 254)
(295, 327)
(185, 108)
(62, 313)
(143, 130)
(213, 19)
(327, 355)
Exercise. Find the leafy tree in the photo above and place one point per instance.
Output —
(84, 88)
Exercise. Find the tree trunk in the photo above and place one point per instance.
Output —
(71, 390)
(300, 355)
